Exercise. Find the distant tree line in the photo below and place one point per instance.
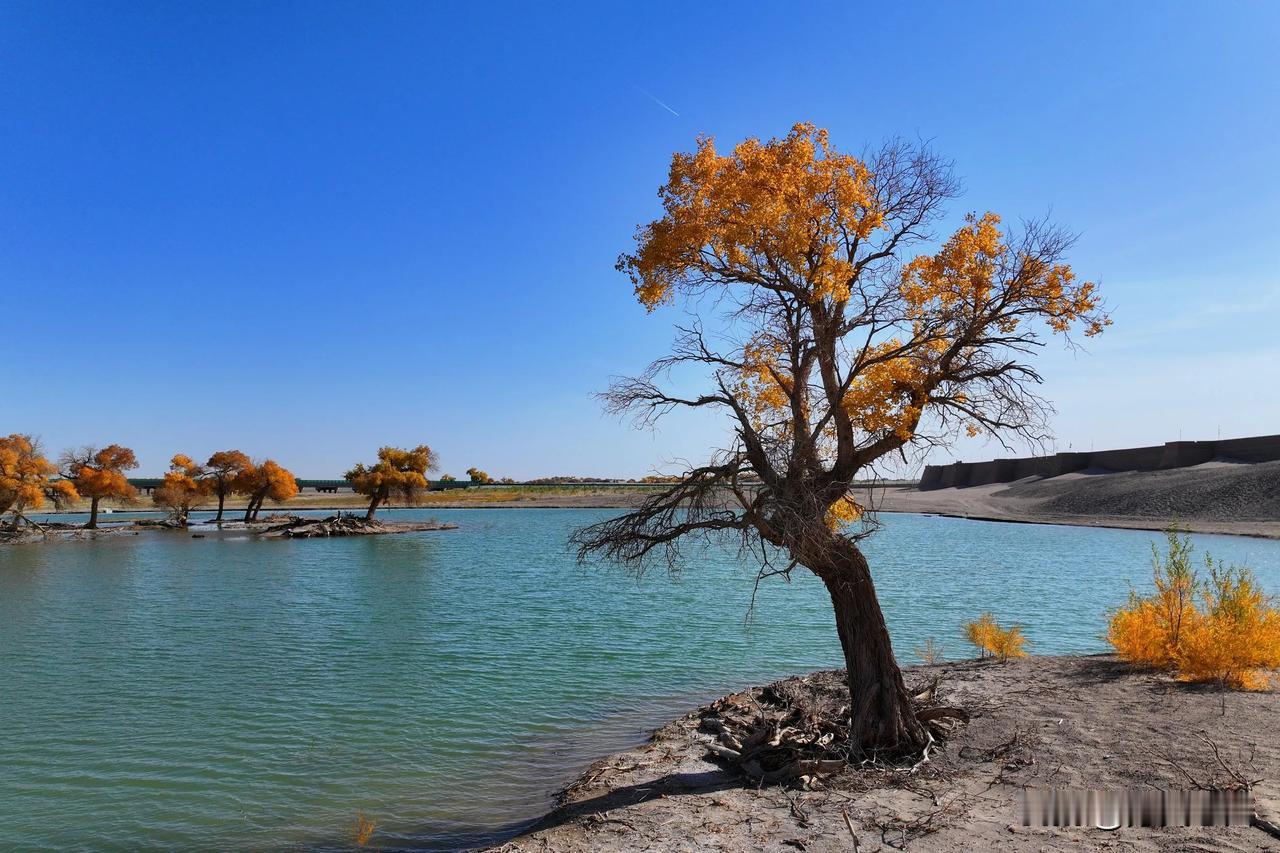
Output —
(29, 479)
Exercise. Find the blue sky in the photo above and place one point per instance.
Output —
(306, 230)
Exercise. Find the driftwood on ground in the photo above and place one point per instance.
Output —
(796, 731)
(297, 527)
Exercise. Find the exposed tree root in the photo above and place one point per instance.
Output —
(342, 524)
(795, 732)
(297, 527)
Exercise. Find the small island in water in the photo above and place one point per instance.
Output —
(269, 527)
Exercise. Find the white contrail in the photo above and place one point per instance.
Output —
(656, 101)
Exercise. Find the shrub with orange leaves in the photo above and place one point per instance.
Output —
(1236, 640)
(25, 478)
(1148, 630)
(1223, 630)
(1009, 643)
(994, 641)
(99, 474)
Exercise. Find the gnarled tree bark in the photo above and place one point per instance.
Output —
(881, 715)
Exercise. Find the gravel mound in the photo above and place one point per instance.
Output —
(1214, 492)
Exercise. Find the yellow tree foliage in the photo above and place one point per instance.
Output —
(182, 489)
(994, 641)
(221, 471)
(478, 476)
(264, 481)
(1222, 629)
(25, 478)
(791, 216)
(790, 202)
(397, 473)
(844, 511)
(99, 474)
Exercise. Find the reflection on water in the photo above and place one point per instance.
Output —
(159, 691)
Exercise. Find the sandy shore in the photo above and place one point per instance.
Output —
(1065, 722)
(1215, 497)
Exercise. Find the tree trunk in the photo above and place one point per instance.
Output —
(93, 514)
(373, 506)
(222, 499)
(248, 510)
(882, 720)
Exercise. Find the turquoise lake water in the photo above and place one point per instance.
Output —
(160, 692)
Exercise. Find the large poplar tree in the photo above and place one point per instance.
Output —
(829, 344)
(398, 473)
(99, 474)
(221, 472)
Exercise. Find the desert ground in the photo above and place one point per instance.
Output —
(1049, 722)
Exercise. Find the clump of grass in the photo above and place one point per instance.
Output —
(930, 652)
(993, 641)
(1222, 629)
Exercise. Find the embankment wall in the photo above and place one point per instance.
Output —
(1173, 454)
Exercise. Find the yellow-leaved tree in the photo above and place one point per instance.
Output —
(26, 478)
(221, 472)
(829, 341)
(183, 488)
(264, 481)
(398, 473)
(99, 474)
(478, 476)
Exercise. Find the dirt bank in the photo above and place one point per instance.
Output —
(271, 527)
(1212, 498)
(1082, 722)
